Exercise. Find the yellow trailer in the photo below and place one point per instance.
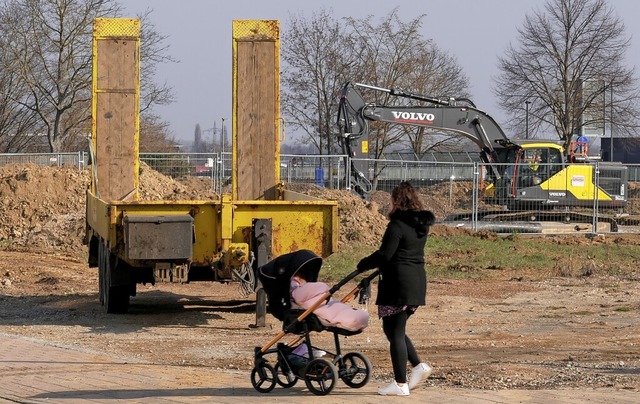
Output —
(133, 241)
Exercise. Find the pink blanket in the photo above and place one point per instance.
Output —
(332, 313)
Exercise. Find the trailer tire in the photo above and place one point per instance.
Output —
(101, 272)
(117, 296)
(113, 296)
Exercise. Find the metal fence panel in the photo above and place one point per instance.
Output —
(79, 159)
(214, 166)
(322, 170)
(420, 173)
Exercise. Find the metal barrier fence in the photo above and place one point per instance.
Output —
(330, 171)
(214, 166)
(567, 205)
(548, 212)
(634, 172)
(539, 211)
(322, 170)
(386, 174)
(79, 159)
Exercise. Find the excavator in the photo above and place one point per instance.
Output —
(521, 174)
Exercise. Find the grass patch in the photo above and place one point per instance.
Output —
(485, 258)
(342, 263)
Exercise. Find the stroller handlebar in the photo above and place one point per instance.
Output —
(349, 277)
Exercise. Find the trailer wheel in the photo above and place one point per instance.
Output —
(114, 298)
(101, 273)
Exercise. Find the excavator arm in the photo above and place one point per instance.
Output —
(459, 116)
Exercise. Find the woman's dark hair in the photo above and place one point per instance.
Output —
(404, 197)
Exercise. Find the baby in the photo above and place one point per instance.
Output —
(332, 312)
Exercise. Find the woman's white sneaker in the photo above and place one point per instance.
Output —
(418, 374)
(394, 390)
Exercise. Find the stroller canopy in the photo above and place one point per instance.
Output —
(276, 275)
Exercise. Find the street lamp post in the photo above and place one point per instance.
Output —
(611, 123)
(222, 137)
(222, 144)
(526, 119)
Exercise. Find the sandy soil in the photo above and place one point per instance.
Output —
(507, 333)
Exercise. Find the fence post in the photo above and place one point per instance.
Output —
(347, 176)
(451, 179)
(474, 203)
(596, 184)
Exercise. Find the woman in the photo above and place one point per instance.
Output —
(403, 283)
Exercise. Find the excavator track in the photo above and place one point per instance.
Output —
(512, 221)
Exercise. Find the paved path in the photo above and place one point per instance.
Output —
(34, 371)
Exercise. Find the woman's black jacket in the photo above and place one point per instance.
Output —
(403, 280)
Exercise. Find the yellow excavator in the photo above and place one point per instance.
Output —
(521, 174)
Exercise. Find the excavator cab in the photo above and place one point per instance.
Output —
(532, 169)
(525, 168)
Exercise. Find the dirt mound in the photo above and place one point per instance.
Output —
(44, 207)
(155, 186)
(442, 199)
(633, 197)
(365, 221)
(360, 221)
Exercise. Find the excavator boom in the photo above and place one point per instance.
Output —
(450, 115)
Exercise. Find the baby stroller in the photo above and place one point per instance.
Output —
(320, 374)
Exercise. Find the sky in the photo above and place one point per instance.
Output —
(199, 35)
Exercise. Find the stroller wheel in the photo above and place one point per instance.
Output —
(320, 376)
(285, 377)
(263, 378)
(354, 369)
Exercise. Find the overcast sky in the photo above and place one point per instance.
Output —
(199, 34)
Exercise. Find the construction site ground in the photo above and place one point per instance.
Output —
(516, 336)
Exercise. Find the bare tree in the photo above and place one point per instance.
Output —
(51, 50)
(437, 74)
(322, 54)
(47, 43)
(154, 138)
(394, 54)
(15, 119)
(315, 68)
(568, 70)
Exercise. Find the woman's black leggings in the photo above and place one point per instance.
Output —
(400, 345)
